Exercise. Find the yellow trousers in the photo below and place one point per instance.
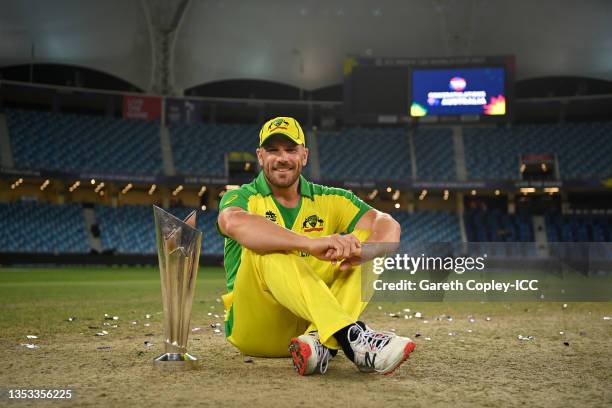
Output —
(278, 296)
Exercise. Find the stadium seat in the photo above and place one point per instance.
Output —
(364, 154)
(428, 226)
(578, 228)
(71, 142)
(434, 154)
(129, 229)
(500, 234)
(497, 226)
(33, 227)
(200, 148)
(583, 150)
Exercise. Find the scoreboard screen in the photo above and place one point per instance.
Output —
(461, 91)
(416, 91)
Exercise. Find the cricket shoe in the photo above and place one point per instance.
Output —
(309, 354)
(382, 352)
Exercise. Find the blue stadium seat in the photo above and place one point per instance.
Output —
(595, 231)
(70, 142)
(434, 154)
(578, 228)
(129, 229)
(33, 227)
(501, 234)
(428, 226)
(200, 148)
(583, 149)
(364, 154)
(497, 226)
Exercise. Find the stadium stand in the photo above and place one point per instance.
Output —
(364, 153)
(578, 228)
(428, 226)
(129, 229)
(582, 149)
(494, 226)
(200, 148)
(434, 154)
(594, 231)
(70, 142)
(42, 228)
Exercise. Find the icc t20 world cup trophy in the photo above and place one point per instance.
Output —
(178, 249)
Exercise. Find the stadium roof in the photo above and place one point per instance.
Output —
(303, 43)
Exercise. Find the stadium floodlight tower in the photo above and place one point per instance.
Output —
(178, 250)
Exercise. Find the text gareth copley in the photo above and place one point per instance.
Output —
(455, 285)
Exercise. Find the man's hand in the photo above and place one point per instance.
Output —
(350, 262)
(334, 247)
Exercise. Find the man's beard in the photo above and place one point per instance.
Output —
(285, 182)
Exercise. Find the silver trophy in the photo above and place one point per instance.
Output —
(178, 249)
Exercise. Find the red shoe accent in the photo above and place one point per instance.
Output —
(408, 348)
(300, 352)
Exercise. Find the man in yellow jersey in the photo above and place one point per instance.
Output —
(292, 262)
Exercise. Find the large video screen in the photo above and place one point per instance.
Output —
(461, 91)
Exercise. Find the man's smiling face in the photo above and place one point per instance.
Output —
(282, 160)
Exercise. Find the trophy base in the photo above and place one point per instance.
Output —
(177, 361)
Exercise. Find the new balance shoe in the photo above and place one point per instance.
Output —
(382, 352)
(308, 354)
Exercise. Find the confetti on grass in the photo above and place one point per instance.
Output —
(30, 346)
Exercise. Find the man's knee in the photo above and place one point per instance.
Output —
(277, 262)
(277, 258)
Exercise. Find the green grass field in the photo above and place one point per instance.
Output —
(480, 364)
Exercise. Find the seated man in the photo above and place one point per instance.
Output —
(292, 262)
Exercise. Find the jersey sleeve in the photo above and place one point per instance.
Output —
(351, 212)
(233, 198)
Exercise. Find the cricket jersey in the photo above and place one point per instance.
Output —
(321, 211)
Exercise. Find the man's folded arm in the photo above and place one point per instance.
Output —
(258, 233)
(384, 237)
(382, 227)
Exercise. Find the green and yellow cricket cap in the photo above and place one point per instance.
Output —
(285, 126)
